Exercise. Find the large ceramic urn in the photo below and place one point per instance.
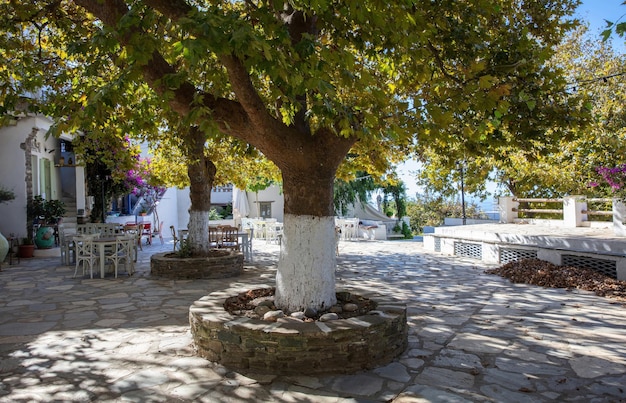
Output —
(44, 238)
(4, 247)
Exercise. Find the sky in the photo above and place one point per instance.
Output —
(593, 11)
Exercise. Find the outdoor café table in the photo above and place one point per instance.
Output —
(102, 243)
(245, 245)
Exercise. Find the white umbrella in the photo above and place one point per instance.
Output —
(240, 203)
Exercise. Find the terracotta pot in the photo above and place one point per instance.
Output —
(26, 251)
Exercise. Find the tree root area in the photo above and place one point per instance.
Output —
(247, 303)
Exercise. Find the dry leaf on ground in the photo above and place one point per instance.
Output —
(546, 274)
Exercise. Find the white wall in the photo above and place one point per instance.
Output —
(168, 211)
(13, 165)
(271, 194)
(174, 207)
(222, 195)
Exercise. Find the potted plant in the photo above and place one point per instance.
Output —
(47, 214)
(27, 248)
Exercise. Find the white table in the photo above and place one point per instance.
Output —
(246, 245)
(102, 243)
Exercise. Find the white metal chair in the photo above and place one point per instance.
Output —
(85, 253)
(134, 230)
(122, 252)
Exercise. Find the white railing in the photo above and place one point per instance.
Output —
(574, 212)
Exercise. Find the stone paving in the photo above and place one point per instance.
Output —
(473, 337)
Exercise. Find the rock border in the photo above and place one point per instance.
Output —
(293, 347)
(226, 263)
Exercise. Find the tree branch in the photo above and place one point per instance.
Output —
(247, 95)
(227, 114)
(173, 9)
(265, 135)
(248, 119)
(441, 65)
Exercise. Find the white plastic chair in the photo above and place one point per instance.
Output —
(350, 229)
(259, 229)
(274, 232)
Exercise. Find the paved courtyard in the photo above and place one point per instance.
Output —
(473, 337)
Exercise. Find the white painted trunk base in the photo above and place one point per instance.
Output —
(199, 231)
(306, 267)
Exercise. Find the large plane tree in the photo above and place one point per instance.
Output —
(309, 83)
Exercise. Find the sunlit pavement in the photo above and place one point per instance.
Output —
(473, 336)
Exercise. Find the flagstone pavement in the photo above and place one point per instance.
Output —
(473, 337)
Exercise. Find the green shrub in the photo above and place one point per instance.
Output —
(185, 249)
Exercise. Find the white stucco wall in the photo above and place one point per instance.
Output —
(176, 208)
(168, 212)
(272, 194)
(13, 170)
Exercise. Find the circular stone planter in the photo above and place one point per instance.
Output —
(219, 264)
(290, 347)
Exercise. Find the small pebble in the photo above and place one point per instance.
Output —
(298, 315)
(268, 302)
(329, 316)
(272, 316)
(336, 309)
(288, 319)
(350, 307)
(343, 296)
(261, 310)
(310, 312)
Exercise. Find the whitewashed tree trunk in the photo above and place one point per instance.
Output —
(201, 171)
(306, 268)
(199, 231)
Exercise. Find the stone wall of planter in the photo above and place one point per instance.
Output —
(223, 263)
(298, 348)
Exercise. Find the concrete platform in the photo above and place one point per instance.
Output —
(597, 248)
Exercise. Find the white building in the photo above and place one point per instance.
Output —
(31, 163)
